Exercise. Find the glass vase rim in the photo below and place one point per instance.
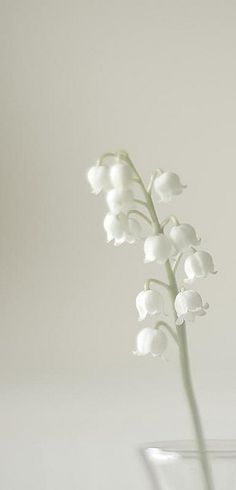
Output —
(188, 446)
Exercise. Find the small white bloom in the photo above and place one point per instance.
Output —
(157, 248)
(119, 200)
(167, 185)
(150, 341)
(188, 304)
(149, 302)
(183, 236)
(121, 175)
(121, 229)
(198, 265)
(98, 177)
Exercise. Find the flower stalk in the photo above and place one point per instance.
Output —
(183, 356)
(184, 359)
(163, 248)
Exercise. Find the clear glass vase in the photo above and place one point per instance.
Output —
(175, 465)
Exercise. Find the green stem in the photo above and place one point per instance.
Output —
(139, 213)
(188, 385)
(177, 262)
(156, 281)
(167, 326)
(149, 202)
(183, 348)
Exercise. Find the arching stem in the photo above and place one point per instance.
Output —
(170, 219)
(156, 281)
(168, 327)
(104, 156)
(158, 171)
(139, 213)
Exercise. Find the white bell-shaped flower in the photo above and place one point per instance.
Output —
(183, 236)
(150, 341)
(198, 265)
(98, 177)
(121, 228)
(121, 175)
(119, 200)
(157, 248)
(149, 302)
(167, 185)
(188, 305)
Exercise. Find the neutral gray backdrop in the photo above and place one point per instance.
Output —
(78, 78)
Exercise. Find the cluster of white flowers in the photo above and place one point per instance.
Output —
(169, 244)
(117, 181)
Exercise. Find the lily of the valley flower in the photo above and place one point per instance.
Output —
(98, 177)
(188, 305)
(183, 237)
(167, 185)
(150, 341)
(119, 200)
(198, 265)
(149, 302)
(121, 228)
(121, 175)
(157, 248)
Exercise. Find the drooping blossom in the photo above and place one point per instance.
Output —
(98, 177)
(121, 228)
(157, 248)
(149, 302)
(121, 175)
(188, 305)
(167, 185)
(198, 265)
(119, 200)
(150, 341)
(183, 236)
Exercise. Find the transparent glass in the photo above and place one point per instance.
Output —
(175, 465)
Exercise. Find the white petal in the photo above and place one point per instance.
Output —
(189, 269)
(157, 247)
(199, 265)
(144, 341)
(151, 341)
(205, 263)
(113, 227)
(140, 305)
(98, 177)
(193, 300)
(119, 200)
(121, 175)
(153, 302)
(159, 343)
(188, 304)
(167, 185)
(180, 304)
(183, 236)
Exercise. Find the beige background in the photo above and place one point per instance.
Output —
(78, 78)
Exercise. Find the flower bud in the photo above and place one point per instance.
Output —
(121, 229)
(188, 304)
(150, 341)
(183, 236)
(157, 248)
(119, 200)
(98, 177)
(198, 265)
(167, 185)
(149, 302)
(121, 175)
